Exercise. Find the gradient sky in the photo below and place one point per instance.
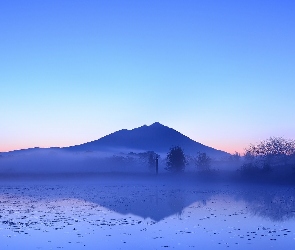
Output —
(220, 72)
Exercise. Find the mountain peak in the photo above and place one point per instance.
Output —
(156, 124)
(155, 137)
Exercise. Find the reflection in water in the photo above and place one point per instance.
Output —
(161, 200)
(156, 202)
(270, 202)
(151, 215)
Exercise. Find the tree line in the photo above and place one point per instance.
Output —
(176, 160)
(275, 154)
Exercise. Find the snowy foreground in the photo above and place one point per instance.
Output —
(144, 212)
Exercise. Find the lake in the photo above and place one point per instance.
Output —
(144, 212)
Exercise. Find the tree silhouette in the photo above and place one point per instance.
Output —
(203, 162)
(273, 153)
(176, 160)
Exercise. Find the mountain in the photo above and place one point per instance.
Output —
(156, 137)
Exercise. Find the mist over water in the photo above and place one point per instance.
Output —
(60, 198)
(50, 161)
(71, 198)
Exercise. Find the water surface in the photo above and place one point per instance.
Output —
(145, 213)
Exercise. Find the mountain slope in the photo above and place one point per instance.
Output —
(156, 137)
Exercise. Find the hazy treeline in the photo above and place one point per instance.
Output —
(272, 158)
(59, 161)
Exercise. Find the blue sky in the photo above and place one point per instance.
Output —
(220, 72)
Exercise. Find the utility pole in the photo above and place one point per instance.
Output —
(157, 165)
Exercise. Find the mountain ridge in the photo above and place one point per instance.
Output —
(155, 137)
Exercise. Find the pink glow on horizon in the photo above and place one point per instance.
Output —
(11, 147)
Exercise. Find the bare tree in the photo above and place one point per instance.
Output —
(274, 152)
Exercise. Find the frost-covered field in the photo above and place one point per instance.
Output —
(137, 212)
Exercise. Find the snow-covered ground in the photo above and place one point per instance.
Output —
(144, 212)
